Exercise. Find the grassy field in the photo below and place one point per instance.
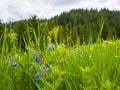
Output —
(86, 67)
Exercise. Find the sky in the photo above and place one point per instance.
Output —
(13, 10)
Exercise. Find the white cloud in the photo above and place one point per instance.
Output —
(11, 10)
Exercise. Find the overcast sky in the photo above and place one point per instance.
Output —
(11, 10)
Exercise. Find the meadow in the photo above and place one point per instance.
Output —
(81, 67)
(87, 66)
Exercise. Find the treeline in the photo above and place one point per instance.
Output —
(73, 27)
(85, 24)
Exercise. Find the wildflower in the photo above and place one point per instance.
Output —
(37, 76)
(37, 59)
(42, 67)
(50, 46)
(11, 58)
(14, 65)
(34, 52)
(46, 69)
(72, 51)
(109, 42)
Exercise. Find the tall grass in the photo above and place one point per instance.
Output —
(86, 67)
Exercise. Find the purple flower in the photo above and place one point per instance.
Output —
(42, 68)
(37, 59)
(46, 69)
(50, 46)
(11, 58)
(73, 52)
(34, 52)
(37, 76)
(14, 65)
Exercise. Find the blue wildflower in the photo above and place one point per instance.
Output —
(73, 52)
(46, 69)
(11, 58)
(50, 46)
(34, 52)
(42, 67)
(14, 65)
(37, 76)
(37, 59)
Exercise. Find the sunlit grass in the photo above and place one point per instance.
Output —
(85, 67)
(58, 67)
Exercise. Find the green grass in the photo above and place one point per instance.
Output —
(85, 67)
(81, 67)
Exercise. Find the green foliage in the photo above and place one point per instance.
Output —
(86, 67)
